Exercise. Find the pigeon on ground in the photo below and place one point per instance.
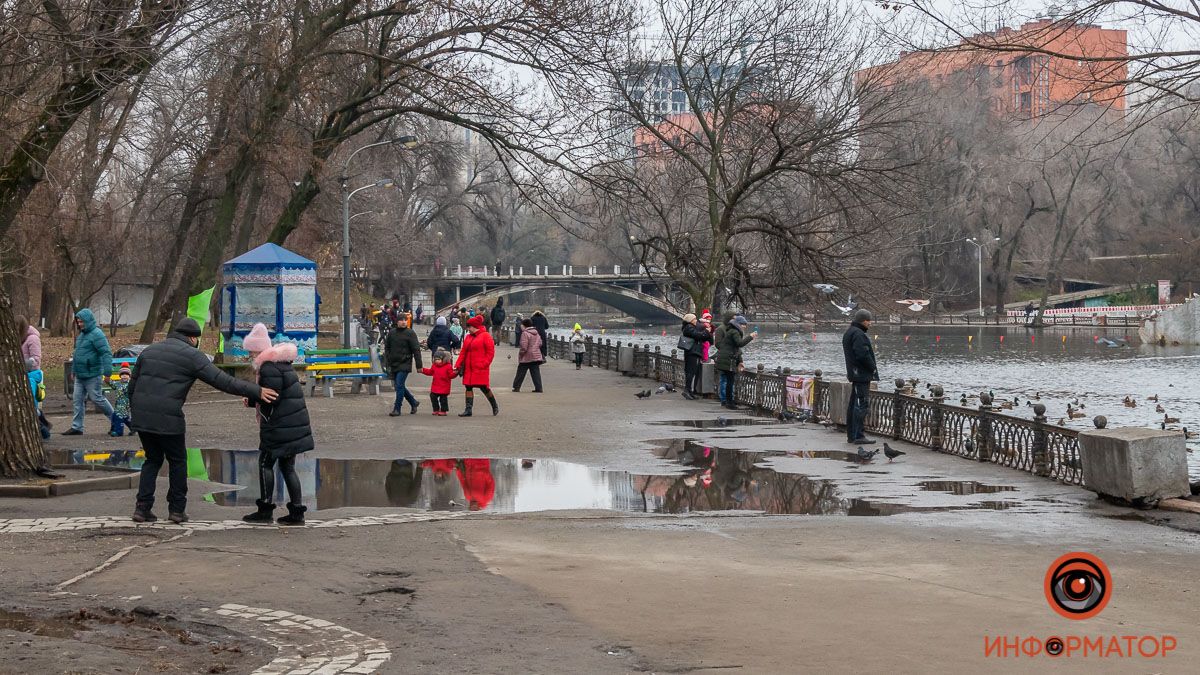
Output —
(866, 456)
(723, 421)
(891, 453)
(643, 394)
(668, 387)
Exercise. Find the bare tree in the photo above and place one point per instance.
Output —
(746, 176)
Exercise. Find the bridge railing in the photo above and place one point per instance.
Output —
(983, 433)
(536, 270)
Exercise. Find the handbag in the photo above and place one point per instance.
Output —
(686, 343)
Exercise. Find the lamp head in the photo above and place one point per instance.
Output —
(386, 182)
(406, 141)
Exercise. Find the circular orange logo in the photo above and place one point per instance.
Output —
(1078, 585)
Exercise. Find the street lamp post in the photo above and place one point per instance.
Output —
(979, 249)
(406, 141)
(346, 256)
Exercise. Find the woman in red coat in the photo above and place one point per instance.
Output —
(475, 364)
(478, 485)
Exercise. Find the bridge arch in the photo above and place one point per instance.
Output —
(634, 303)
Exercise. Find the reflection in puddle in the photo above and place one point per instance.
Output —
(702, 478)
(716, 424)
(962, 487)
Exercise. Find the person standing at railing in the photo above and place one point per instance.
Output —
(729, 358)
(578, 346)
(692, 340)
(861, 370)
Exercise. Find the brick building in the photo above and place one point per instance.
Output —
(1024, 83)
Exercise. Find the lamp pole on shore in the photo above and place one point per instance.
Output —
(979, 249)
(407, 142)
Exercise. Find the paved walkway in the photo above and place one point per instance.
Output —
(601, 591)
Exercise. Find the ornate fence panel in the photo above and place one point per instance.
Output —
(881, 413)
(982, 433)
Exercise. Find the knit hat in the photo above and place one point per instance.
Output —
(861, 316)
(705, 315)
(187, 327)
(476, 321)
(441, 321)
(740, 320)
(441, 354)
(124, 371)
(257, 340)
(456, 321)
(578, 327)
(689, 317)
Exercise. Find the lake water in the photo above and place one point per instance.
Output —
(1061, 365)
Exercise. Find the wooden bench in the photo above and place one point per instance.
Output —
(359, 366)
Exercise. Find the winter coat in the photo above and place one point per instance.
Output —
(478, 485)
(475, 359)
(121, 403)
(93, 356)
(284, 429)
(498, 315)
(441, 337)
(457, 331)
(860, 354)
(729, 351)
(531, 346)
(719, 333)
(400, 349)
(578, 343)
(442, 374)
(162, 377)
(31, 347)
(542, 324)
(699, 336)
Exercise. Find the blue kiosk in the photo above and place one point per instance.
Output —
(273, 286)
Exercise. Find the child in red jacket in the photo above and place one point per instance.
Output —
(442, 373)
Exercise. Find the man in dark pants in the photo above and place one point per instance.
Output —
(161, 379)
(860, 370)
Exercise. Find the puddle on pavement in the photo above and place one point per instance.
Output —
(716, 424)
(694, 478)
(962, 487)
(45, 627)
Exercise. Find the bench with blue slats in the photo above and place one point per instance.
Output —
(358, 366)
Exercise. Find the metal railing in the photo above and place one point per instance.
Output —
(982, 434)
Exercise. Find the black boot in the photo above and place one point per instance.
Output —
(143, 514)
(295, 515)
(495, 406)
(467, 411)
(263, 514)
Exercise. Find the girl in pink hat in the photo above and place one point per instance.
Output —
(284, 429)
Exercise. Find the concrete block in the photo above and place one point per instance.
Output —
(839, 399)
(74, 487)
(36, 491)
(1134, 464)
(708, 378)
(625, 359)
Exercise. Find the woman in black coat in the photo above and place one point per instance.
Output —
(697, 336)
(284, 429)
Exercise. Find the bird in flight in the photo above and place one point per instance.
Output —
(825, 288)
(915, 305)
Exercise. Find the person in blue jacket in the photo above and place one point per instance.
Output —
(92, 363)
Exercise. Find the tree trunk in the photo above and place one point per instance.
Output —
(289, 220)
(249, 214)
(93, 74)
(20, 447)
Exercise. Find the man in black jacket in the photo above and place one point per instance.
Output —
(159, 386)
(542, 325)
(499, 315)
(860, 370)
(400, 349)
